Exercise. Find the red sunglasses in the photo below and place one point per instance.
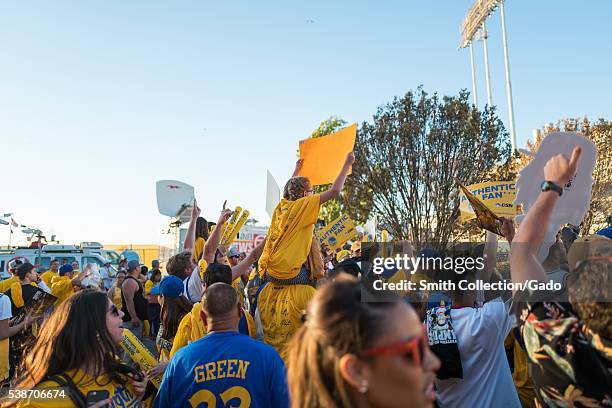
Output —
(414, 348)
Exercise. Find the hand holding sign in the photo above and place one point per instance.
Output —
(567, 159)
(560, 170)
(350, 159)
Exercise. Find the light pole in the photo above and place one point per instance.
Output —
(508, 85)
(486, 61)
(474, 88)
(474, 21)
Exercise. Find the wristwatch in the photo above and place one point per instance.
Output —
(549, 185)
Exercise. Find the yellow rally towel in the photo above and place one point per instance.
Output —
(289, 237)
(140, 355)
(280, 310)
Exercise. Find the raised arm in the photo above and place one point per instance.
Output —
(190, 238)
(215, 237)
(339, 182)
(7, 331)
(298, 167)
(524, 264)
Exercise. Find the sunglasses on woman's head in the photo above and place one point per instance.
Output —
(413, 348)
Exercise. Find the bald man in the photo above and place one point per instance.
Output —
(224, 359)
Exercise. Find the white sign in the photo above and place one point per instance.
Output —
(272, 194)
(574, 203)
(173, 196)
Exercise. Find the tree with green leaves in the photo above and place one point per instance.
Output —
(411, 157)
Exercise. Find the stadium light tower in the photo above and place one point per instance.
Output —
(473, 23)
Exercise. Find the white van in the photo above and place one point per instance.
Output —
(42, 257)
(110, 254)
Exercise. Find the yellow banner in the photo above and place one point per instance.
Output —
(338, 232)
(495, 195)
(324, 156)
(140, 355)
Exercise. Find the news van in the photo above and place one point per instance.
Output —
(42, 257)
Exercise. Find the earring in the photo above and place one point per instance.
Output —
(363, 388)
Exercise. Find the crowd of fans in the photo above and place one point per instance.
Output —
(287, 323)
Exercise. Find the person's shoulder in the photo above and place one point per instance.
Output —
(257, 346)
(5, 302)
(184, 354)
(496, 306)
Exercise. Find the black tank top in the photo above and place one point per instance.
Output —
(140, 303)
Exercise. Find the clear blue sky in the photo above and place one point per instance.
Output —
(99, 99)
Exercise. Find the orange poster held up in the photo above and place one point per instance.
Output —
(324, 156)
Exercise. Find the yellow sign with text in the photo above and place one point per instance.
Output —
(338, 232)
(496, 195)
(140, 355)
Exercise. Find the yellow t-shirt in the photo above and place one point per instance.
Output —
(290, 237)
(198, 248)
(61, 288)
(280, 310)
(48, 276)
(6, 284)
(192, 328)
(183, 334)
(148, 286)
(123, 395)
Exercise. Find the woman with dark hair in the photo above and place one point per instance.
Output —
(351, 353)
(78, 349)
(174, 306)
(201, 236)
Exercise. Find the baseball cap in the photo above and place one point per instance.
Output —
(64, 269)
(606, 232)
(232, 252)
(586, 247)
(155, 263)
(13, 264)
(155, 290)
(133, 264)
(171, 286)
